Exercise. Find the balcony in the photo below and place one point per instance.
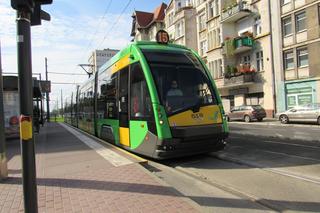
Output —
(243, 44)
(236, 76)
(235, 12)
(238, 45)
(239, 80)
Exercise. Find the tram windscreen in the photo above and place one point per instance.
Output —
(181, 80)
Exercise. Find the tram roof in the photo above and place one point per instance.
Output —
(141, 45)
(152, 45)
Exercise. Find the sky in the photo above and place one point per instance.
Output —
(75, 30)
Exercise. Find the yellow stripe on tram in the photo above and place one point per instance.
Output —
(207, 115)
(123, 62)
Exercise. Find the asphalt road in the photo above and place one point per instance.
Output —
(302, 132)
(279, 173)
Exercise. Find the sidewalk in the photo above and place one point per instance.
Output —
(77, 174)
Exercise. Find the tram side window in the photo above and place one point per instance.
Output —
(107, 99)
(88, 104)
(81, 106)
(111, 100)
(140, 97)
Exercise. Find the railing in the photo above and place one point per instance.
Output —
(240, 79)
(235, 11)
(237, 45)
(243, 42)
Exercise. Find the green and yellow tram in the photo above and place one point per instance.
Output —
(157, 100)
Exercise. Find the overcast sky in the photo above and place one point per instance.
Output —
(76, 28)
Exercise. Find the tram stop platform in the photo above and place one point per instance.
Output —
(77, 173)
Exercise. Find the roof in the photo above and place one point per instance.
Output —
(145, 19)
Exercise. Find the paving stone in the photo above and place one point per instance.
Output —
(91, 184)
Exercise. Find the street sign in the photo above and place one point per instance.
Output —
(45, 86)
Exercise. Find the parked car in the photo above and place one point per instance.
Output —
(247, 113)
(306, 113)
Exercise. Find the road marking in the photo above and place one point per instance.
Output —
(292, 144)
(111, 156)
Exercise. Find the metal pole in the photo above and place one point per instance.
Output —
(61, 103)
(47, 93)
(274, 97)
(41, 103)
(26, 110)
(3, 158)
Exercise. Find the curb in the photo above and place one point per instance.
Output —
(136, 157)
(162, 182)
(275, 123)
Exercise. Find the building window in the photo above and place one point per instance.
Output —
(218, 37)
(213, 8)
(179, 5)
(246, 60)
(302, 56)
(257, 26)
(188, 3)
(179, 30)
(284, 2)
(299, 96)
(301, 21)
(170, 19)
(260, 65)
(211, 39)
(288, 60)
(202, 22)
(220, 68)
(203, 47)
(254, 98)
(286, 26)
(216, 69)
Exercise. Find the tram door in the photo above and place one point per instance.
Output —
(124, 107)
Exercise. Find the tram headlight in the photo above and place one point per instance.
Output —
(161, 122)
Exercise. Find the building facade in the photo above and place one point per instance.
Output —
(180, 22)
(298, 79)
(100, 57)
(235, 40)
(145, 25)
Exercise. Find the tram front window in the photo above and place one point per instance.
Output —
(181, 81)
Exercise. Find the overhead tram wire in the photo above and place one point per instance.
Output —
(116, 22)
(63, 73)
(65, 83)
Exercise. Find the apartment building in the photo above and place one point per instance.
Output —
(234, 38)
(99, 58)
(180, 23)
(145, 25)
(298, 79)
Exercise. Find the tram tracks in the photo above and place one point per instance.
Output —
(161, 170)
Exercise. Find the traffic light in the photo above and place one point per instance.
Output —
(33, 6)
(22, 4)
(39, 14)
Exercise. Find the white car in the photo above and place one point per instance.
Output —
(305, 113)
